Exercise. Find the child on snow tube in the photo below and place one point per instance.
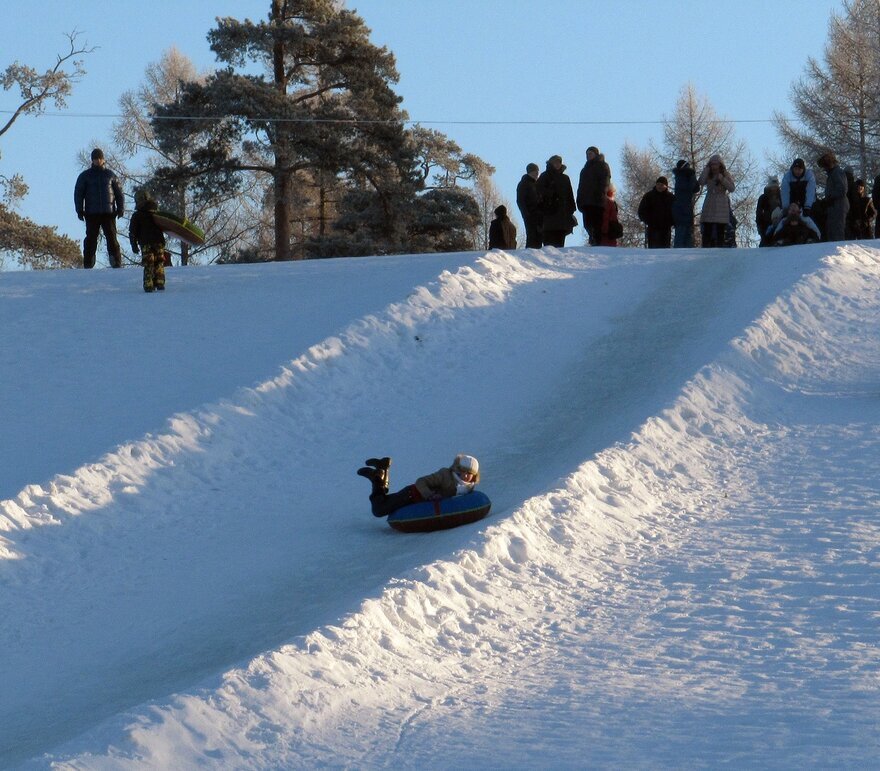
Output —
(458, 479)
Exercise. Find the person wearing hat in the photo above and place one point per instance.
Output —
(147, 238)
(715, 217)
(798, 186)
(655, 210)
(502, 232)
(836, 200)
(98, 199)
(458, 479)
(557, 203)
(768, 203)
(592, 186)
(530, 206)
(685, 194)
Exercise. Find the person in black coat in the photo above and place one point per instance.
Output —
(557, 203)
(593, 184)
(529, 205)
(655, 210)
(860, 218)
(875, 199)
(98, 199)
(686, 190)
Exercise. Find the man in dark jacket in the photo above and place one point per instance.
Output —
(98, 199)
(502, 232)
(557, 203)
(686, 190)
(530, 206)
(836, 200)
(655, 210)
(592, 189)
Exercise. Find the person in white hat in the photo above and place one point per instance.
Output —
(458, 479)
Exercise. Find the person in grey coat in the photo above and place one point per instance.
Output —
(99, 202)
(836, 199)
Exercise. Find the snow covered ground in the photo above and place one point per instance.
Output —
(680, 566)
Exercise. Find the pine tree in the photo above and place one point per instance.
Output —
(323, 105)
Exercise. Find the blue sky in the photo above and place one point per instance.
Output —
(478, 70)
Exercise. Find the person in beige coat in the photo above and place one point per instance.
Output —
(715, 217)
(458, 479)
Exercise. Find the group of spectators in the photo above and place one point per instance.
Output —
(547, 203)
(787, 213)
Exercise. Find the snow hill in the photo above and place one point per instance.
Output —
(680, 567)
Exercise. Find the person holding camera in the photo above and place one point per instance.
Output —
(715, 216)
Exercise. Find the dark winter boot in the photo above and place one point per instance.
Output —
(381, 465)
(369, 473)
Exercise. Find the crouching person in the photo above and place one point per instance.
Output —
(458, 479)
(148, 240)
(795, 229)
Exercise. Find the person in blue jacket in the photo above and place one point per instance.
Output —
(99, 202)
(798, 186)
(685, 193)
(458, 479)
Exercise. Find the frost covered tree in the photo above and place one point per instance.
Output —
(34, 245)
(837, 100)
(640, 169)
(695, 132)
(226, 219)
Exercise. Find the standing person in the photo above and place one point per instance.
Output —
(557, 203)
(875, 199)
(98, 199)
(592, 186)
(458, 479)
(502, 232)
(798, 186)
(147, 238)
(768, 203)
(836, 201)
(715, 217)
(655, 210)
(529, 205)
(686, 190)
(861, 215)
(611, 227)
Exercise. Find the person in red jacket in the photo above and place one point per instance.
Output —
(458, 479)
(611, 227)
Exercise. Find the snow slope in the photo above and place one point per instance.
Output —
(680, 564)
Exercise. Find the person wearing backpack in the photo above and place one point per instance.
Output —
(557, 203)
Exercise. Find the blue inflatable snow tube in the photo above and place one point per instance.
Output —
(440, 515)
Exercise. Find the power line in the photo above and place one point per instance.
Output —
(412, 121)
